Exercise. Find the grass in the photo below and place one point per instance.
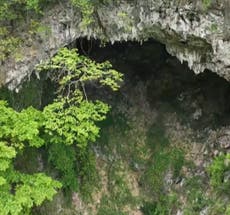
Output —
(164, 206)
(119, 197)
(164, 158)
(151, 158)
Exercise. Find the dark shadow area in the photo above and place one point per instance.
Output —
(33, 92)
(201, 100)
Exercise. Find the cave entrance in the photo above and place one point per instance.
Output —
(201, 100)
(159, 118)
(169, 85)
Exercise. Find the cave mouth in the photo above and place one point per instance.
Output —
(202, 100)
(154, 83)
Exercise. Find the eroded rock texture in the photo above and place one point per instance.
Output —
(189, 31)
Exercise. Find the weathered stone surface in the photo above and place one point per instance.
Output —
(224, 139)
(188, 32)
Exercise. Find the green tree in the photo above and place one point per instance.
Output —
(72, 117)
(65, 126)
(71, 120)
(19, 191)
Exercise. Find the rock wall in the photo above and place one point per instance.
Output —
(163, 131)
(189, 31)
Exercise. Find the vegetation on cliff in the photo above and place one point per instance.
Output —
(27, 13)
(64, 128)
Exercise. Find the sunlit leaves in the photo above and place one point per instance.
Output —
(31, 190)
(19, 127)
(69, 123)
(71, 119)
(19, 192)
(35, 189)
(73, 69)
(74, 124)
(7, 153)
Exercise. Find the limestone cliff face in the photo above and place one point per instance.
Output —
(188, 31)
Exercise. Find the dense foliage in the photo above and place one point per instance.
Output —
(64, 127)
(217, 170)
(20, 191)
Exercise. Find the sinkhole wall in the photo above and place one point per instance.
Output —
(189, 31)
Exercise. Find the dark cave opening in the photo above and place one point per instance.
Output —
(199, 101)
(202, 99)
